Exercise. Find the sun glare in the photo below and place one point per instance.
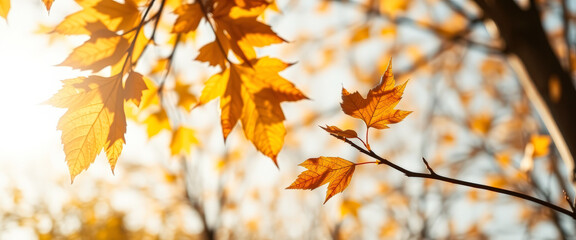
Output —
(28, 78)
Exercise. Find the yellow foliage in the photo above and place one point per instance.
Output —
(541, 145)
(182, 140)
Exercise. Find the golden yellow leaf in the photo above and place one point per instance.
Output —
(393, 7)
(75, 23)
(182, 140)
(134, 87)
(334, 170)
(377, 110)
(98, 52)
(48, 4)
(113, 15)
(212, 54)
(189, 16)
(360, 34)
(349, 207)
(263, 122)
(94, 121)
(339, 132)
(481, 124)
(150, 95)
(186, 99)
(157, 122)
(242, 33)
(4, 8)
(227, 86)
(541, 145)
(253, 93)
(121, 16)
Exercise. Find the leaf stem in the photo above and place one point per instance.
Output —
(433, 175)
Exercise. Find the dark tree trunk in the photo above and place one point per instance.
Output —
(524, 36)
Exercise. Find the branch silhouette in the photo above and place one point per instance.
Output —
(435, 176)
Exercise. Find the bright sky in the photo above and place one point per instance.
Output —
(28, 78)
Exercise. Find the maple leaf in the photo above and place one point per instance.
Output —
(189, 16)
(134, 87)
(334, 170)
(103, 49)
(212, 54)
(377, 109)
(186, 99)
(182, 140)
(4, 8)
(252, 93)
(339, 132)
(114, 15)
(156, 122)
(95, 119)
(241, 30)
(226, 86)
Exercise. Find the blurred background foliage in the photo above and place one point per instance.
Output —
(472, 120)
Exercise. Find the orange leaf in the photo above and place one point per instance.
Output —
(541, 145)
(115, 16)
(100, 51)
(339, 132)
(95, 120)
(252, 93)
(189, 16)
(334, 170)
(134, 87)
(48, 4)
(212, 54)
(377, 110)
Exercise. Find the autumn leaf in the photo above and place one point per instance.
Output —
(134, 87)
(4, 8)
(339, 132)
(156, 122)
(186, 99)
(95, 119)
(252, 93)
(48, 4)
(189, 16)
(182, 140)
(333, 170)
(103, 49)
(114, 15)
(541, 145)
(377, 109)
(243, 30)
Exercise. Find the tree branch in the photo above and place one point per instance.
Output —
(433, 175)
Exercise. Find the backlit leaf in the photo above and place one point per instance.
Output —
(98, 52)
(334, 170)
(253, 93)
(95, 120)
(377, 110)
(189, 16)
(4, 8)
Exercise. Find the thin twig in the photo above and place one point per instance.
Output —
(441, 178)
(428, 167)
